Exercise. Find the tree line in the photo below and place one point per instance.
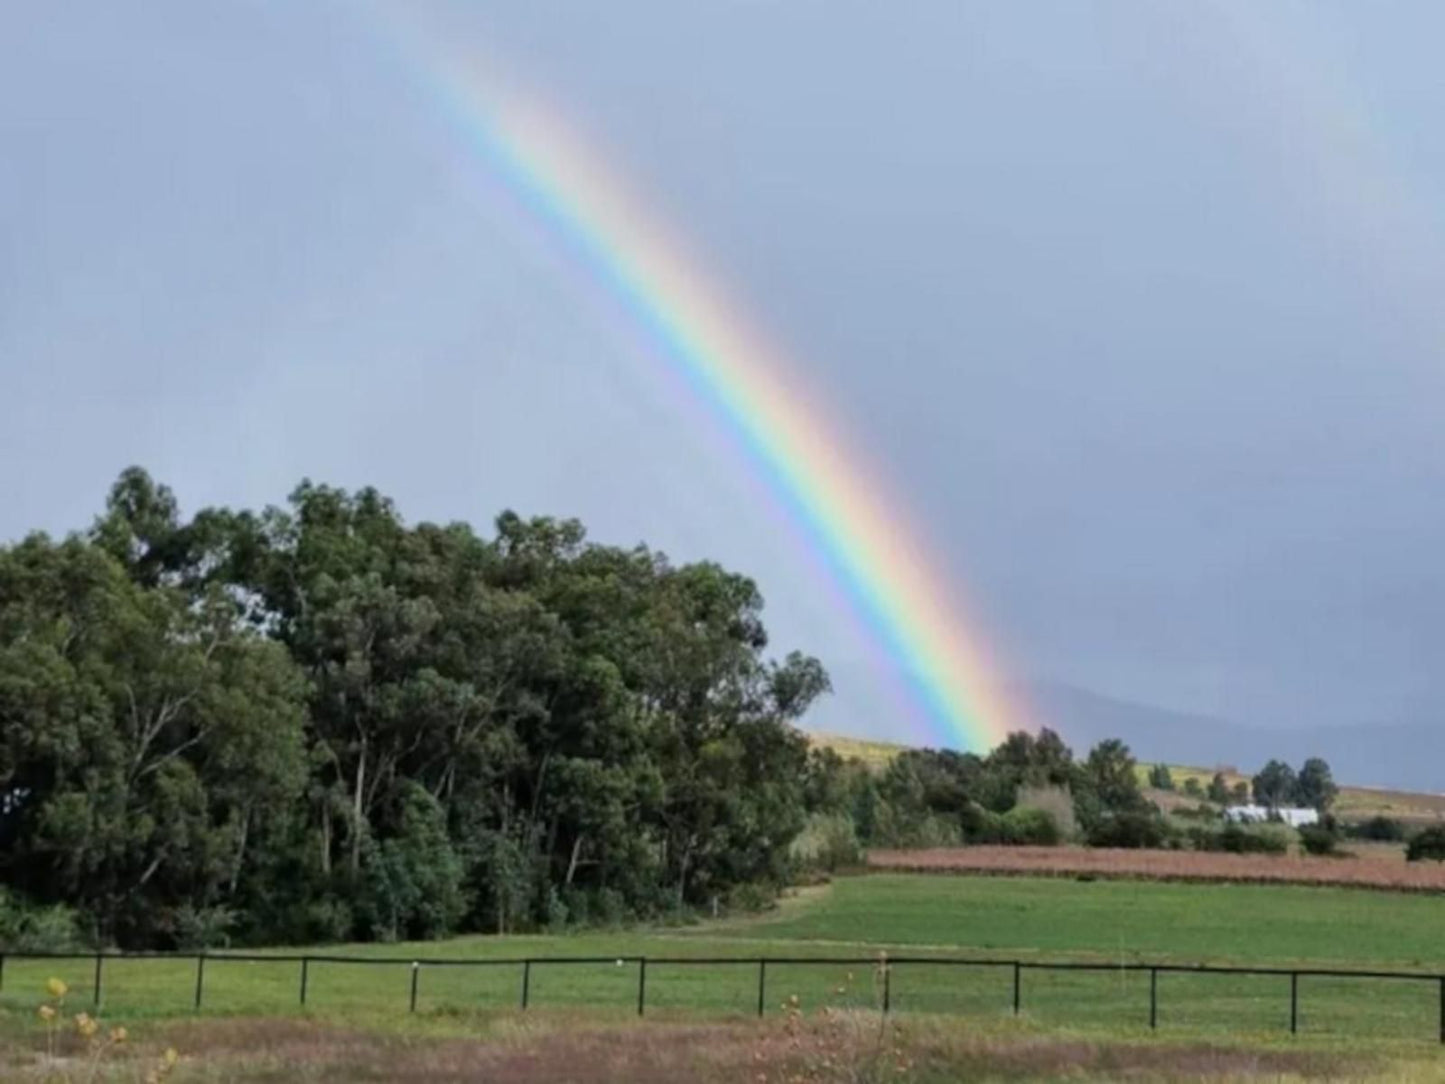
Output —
(317, 722)
(1275, 786)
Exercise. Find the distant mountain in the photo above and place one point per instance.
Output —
(1406, 755)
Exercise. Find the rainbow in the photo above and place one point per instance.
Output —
(869, 551)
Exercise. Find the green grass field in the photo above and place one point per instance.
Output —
(1035, 919)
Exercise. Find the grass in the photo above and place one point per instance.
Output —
(1032, 918)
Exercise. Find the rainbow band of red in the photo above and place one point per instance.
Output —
(884, 571)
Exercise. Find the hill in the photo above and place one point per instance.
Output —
(1354, 802)
(1400, 757)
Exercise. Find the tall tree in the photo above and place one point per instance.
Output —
(146, 739)
(1275, 785)
(1315, 786)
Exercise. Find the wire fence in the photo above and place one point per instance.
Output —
(919, 982)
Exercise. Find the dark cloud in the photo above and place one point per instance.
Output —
(1133, 306)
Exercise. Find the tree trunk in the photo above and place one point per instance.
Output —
(356, 812)
(572, 865)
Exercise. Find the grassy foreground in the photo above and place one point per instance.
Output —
(916, 915)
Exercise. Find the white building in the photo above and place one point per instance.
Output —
(1258, 814)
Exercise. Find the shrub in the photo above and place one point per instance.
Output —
(1379, 828)
(204, 927)
(1427, 843)
(1237, 839)
(1057, 802)
(892, 829)
(609, 907)
(27, 927)
(1319, 839)
(1192, 788)
(752, 897)
(985, 826)
(1133, 829)
(828, 841)
(1029, 827)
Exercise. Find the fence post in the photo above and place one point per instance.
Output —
(415, 974)
(1017, 991)
(305, 966)
(200, 977)
(526, 982)
(641, 983)
(1153, 997)
(1293, 1002)
(763, 982)
(96, 991)
(887, 986)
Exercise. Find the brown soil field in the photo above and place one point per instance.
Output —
(1370, 868)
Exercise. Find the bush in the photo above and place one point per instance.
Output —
(1379, 829)
(1192, 788)
(1057, 802)
(752, 897)
(27, 927)
(1427, 843)
(1319, 839)
(1029, 827)
(1135, 829)
(891, 829)
(827, 842)
(204, 927)
(1237, 839)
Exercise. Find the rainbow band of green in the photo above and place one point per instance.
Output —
(881, 567)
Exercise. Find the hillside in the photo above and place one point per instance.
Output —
(1354, 802)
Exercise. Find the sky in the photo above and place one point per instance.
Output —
(1133, 307)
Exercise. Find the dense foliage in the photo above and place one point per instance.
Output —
(317, 722)
(1277, 784)
(1029, 790)
(1428, 843)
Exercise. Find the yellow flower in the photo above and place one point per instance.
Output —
(47, 1013)
(171, 1057)
(56, 988)
(86, 1024)
(119, 1035)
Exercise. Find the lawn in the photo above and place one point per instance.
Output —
(1035, 919)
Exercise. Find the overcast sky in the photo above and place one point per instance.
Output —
(1135, 306)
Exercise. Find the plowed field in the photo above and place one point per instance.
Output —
(1367, 870)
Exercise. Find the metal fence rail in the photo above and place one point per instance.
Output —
(886, 965)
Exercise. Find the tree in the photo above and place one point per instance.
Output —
(1239, 793)
(1275, 785)
(1219, 789)
(1192, 787)
(1315, 786)
(1160, 777)
(1109, 771)
(321, 722)
(149, 740)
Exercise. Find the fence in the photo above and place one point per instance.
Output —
(891, 971)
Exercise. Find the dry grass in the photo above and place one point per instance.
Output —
(819, 1049)
(1359, 803)
(876, 754)
(1369, 868)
